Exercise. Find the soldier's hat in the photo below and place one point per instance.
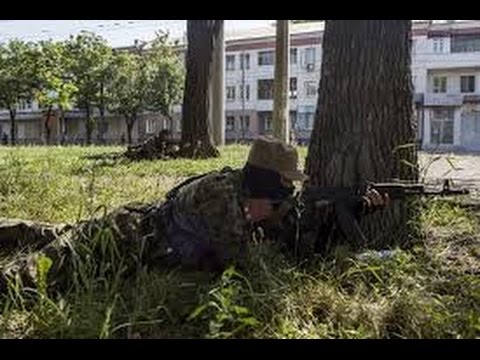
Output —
(271, 154)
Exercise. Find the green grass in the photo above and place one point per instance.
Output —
(429, 291)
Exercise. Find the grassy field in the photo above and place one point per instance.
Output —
(430, 291)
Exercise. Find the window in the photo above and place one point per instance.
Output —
(310, 88)
(305, 118)
(309, 118)
(230, 123)
(149, 126)
(230, 93)
(268, 124)
(310, 56)
(245, 123)
(265, 121)
(440, 84)
(442, 126)
(293, 55)
(467, 84)
(265, 89)
(266, 58)
(230, 63)
(245, 96)
(438, 45)
(293, 119)
(465, 43)
(293, 88)
(24, 104)
(244, 61)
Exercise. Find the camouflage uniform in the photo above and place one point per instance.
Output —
(201, 225)
(207, 220)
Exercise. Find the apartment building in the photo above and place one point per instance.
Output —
(445, 73)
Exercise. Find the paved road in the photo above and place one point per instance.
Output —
(463, 169)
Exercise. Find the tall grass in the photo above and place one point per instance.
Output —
(429, 291)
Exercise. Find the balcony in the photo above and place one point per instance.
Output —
(432, 99)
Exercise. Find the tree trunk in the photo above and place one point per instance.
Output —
(13, 128)
(364, 124)
(130, 121)
(281, 125)
(101, 109)
(61, 121)
(196, 122)
(48, 130)
(88, 126)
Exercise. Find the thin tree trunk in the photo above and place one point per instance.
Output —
(13, 132)
(130, 121)
(48, 130)
(364, 125)
(101, 109)
(88, 126)
(63, 128)
(196, 123)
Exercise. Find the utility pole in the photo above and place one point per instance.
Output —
(281, 124)
(218, 90)
(243, 93)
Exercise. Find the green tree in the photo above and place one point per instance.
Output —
(166, 77)
(91, 56)
(17, 80)
(127, 90)
(56, 86)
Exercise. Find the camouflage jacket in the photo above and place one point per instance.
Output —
(207, 226)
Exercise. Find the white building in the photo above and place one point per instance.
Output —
(445, 72)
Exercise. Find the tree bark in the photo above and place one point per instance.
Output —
(48, 130)
(101, 109)
(61, 121)
(364, 124)
(13, 132)
(196, 122)
(130, 120)
(88, 126)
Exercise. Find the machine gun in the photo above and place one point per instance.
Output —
(349, 201)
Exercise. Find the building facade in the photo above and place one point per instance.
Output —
(445, 75)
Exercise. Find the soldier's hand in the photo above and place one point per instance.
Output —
(373, 200)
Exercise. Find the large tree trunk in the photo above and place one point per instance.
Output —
(281, 124)
(196, 122)
(197, 141)
(13, 127)
(364, 125)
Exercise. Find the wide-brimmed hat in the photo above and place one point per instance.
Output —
(272, 154)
